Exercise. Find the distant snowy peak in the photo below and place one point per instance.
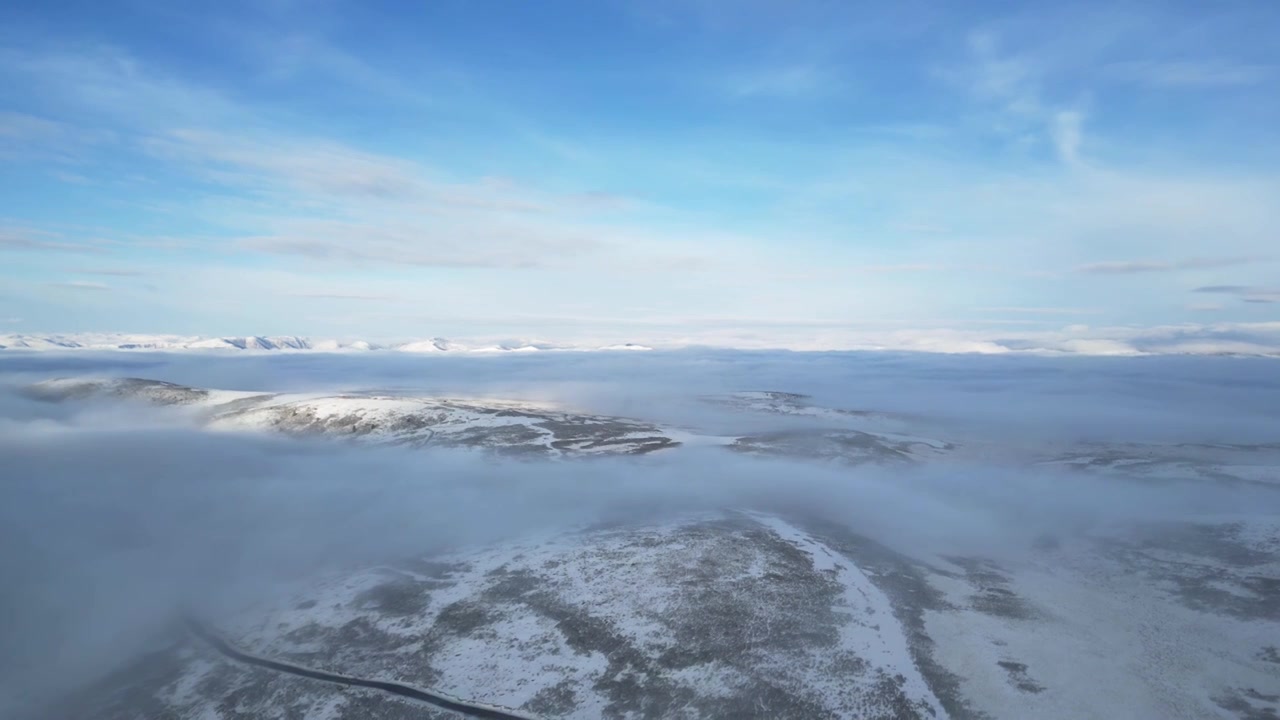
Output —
(113, 341)
(262, 343)
(336, 345)
(438, 345)
(252, 343)
(626, 346)
(434, 345)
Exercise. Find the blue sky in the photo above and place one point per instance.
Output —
(692, 171)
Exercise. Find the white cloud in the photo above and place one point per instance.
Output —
(1192, 74)
(1068, 135)
(32, 138)
(331, 203)
(110, 272)
(1014, 87)
(26, 128)
(1130, 267)
(121, 91)
(787, 81)
(1043, 310)
(42, 241)
(344, 296)
(80, 285)
(1247, 293)
(311, 166)
(998, 76)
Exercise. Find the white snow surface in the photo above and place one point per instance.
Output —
(1104, 643)
(875, 634)
(620, 579)
(260, 343)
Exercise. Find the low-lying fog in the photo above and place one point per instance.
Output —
(115, 517)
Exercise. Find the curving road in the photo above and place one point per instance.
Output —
(469, 708)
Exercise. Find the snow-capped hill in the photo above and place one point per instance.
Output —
(24, 342)
(506, 427)
(336, 346)
(442, 345)
(254, 343)
(216, 344)
(433, 345)
(714, 616)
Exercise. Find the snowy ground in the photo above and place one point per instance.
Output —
(750, 615)
(1106, 627)
(707, 617)
(710, 616)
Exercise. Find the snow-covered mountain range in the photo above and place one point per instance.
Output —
(1264, 342)
(122, 341)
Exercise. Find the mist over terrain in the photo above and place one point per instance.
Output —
(117, 516)
(639, 360)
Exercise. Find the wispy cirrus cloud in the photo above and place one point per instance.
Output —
(109, 272)
(1132, 267)
(121, 92)
(272, 163)
(322, 199)
(1191, 74)
(80, 285)
(1013, 85)
(415, 242)
(25, 127)
(344, 296)
(1248, 293)
(783, 81)
(20, 240)
(1231, 289)
(993, 74)
(1067, 132)
(333, 203)
(24, 136)
(1017, 310)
